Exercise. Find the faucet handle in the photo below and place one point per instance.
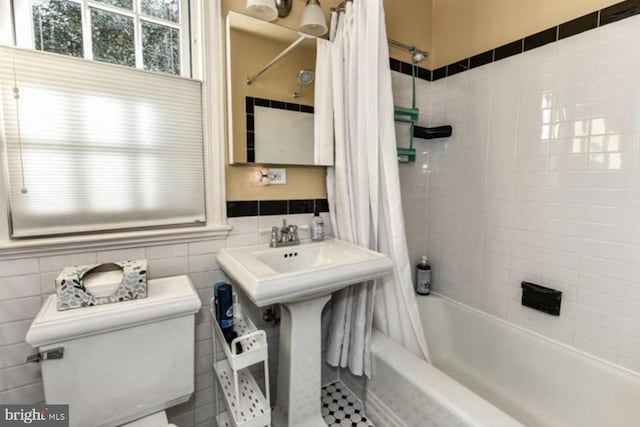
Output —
(293, 231)
(274, 236)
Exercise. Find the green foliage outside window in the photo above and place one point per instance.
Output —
(163, 9)
(58, 27)
(113, 38)
(160, 48)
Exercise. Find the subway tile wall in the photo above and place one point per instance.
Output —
(25, 283)
(540, 182)
(413, 177)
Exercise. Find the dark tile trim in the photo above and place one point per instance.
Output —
(322, 205)
(619, 11)
(301, 206)
(250, 104)
(243, 208)
(540, 39)
(439, 73)
(481, 59)
(578, 25)
(509, 49)
(275, 207)
(458, 67)
(406, 68)
(588, 22)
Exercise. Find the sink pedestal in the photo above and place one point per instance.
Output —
(300, 365)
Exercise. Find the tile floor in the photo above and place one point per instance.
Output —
(341, 408)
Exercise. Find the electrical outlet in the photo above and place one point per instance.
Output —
(277, 176)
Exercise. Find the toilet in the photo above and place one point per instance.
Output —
(122, 363)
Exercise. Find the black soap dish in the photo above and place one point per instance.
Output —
(541, 298)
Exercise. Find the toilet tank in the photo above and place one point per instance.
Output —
(121, 361)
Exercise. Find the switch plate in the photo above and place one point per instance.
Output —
(277, 176)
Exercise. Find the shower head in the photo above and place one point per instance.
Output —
(418, 56)
(305, 77)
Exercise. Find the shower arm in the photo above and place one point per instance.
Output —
(282, 54)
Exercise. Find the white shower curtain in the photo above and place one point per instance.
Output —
(363, 187)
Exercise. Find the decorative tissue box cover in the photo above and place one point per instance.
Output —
(72, 293)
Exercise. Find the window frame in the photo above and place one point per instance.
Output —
(24, 30)
(206, 43)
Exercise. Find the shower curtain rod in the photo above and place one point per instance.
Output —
(281, 55)
(413, 49)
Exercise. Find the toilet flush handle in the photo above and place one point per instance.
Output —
(54, 353)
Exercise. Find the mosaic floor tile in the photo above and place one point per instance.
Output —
(340, 407)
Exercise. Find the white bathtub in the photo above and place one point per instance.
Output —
(531, 379)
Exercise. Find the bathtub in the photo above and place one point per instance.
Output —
(488, 372)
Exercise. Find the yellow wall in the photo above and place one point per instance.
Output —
(463, 28)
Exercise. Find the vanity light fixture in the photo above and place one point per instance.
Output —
(284, 8)
(313, 21)
(262, 9)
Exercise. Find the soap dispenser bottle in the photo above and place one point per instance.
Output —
(316, 227)
(423, 277)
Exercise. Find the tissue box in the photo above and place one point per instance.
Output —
(74, 289)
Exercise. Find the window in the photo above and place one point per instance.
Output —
(145, 34)
(90, 146)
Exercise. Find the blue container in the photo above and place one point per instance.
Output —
(224, 309)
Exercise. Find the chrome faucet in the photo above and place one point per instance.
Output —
(287, 235)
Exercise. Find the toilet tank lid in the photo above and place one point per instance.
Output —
(166, 298)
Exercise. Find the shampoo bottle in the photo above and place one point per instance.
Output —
(423, 277)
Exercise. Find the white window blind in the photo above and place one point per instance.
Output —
(95, 147)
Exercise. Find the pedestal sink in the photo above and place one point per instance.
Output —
(301, 278)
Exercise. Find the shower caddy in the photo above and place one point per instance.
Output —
(246, 404)
(410, 115)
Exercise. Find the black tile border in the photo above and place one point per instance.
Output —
(608, 15)
(244, 208)
(250, 104)
(406, 68)
(540, 39)
(578, 25)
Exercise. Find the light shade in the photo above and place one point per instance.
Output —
(312, 21)
(262, 9)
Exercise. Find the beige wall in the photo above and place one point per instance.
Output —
(463, 28)
(409, 22)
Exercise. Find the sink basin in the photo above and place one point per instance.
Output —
(288, 260)
(279, 275)
(302, 279)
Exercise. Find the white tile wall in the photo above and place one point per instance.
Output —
(540, 182)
